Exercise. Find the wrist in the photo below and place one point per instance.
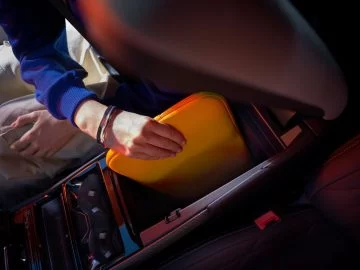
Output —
(88, 116)
(70, 128)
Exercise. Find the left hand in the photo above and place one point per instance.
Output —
(46, 136)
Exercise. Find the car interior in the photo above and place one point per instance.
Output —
(287, 72)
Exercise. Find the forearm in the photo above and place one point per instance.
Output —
(58, 82)
(88, 116)
(33, 28)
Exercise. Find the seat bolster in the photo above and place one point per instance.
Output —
(336, 187)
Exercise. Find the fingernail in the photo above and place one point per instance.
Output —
(183, 143)
(179, 150)
(173, 155)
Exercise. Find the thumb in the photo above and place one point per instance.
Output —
(25, 119)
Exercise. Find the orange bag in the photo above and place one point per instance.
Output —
(215, 151)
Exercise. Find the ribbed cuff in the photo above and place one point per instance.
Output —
(71, 99)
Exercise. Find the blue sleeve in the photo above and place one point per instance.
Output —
(33, 28)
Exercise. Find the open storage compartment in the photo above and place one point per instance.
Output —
(102, 220)
(158, 221)
(264, 137)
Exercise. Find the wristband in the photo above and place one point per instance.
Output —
(113, 114)
(100, 135)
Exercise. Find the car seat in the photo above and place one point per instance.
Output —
(336, 187)
(322, 236)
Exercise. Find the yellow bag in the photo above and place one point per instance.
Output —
(215, 151)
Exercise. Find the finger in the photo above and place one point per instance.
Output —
(23, 142)
(168, 132)
(164, 143)
(152, 151)
(20, 144)
(25, 119)
(30, 151)
(40, 153)
(50, 153)
(140, 155)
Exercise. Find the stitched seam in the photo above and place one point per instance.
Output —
(348, 145)
(340, 152)
(335, 180)
(352, 145)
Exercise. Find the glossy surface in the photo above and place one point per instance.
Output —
(214, 153)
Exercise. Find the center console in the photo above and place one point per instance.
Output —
(97, 219)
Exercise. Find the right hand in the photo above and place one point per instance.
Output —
(141, 137)
(133, 135)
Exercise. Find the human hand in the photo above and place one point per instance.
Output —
(46, 136)
(133, 135)
(141, 137)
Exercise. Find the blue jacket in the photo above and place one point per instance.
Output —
(33, 28)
